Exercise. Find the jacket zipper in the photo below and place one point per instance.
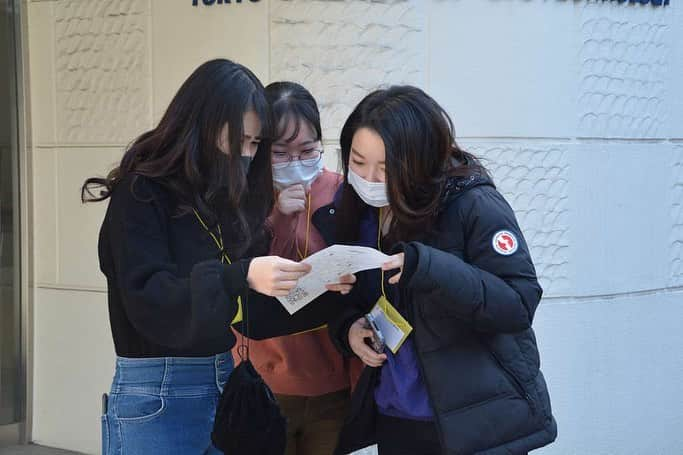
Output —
(437, 422)
(517, 383)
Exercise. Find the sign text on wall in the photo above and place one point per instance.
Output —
(219, 2)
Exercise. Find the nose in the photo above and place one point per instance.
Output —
(249, 149)
(376, 175)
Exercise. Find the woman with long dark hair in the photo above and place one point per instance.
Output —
(182, 247)
(459, 372)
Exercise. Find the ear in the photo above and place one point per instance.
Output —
(223, 140)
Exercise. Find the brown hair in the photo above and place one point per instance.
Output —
(421, 154)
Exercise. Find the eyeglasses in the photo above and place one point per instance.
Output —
(307, 158)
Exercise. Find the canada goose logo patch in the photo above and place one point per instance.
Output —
(505, 243)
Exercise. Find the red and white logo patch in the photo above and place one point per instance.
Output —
(505, 243)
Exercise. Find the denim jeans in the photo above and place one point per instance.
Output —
(164, 405)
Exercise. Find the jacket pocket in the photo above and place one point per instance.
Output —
(487, 424)
(514, 381)
(469, 407)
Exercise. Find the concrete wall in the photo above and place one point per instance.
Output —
(576, 106)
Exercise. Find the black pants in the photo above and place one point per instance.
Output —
(406, 437)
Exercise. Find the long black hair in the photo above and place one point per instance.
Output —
(182, 152)
(291, 102)
(421, 154)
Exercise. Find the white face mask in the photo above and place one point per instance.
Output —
(294, 173)
(372, 193)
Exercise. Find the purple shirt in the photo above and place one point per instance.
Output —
(401, 391)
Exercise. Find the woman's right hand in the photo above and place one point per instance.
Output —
(275, 276)
(292, 200)
(358, 332)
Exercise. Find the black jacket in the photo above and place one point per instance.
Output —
(471, 308)
(169, 294)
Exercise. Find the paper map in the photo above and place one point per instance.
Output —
(327, 266)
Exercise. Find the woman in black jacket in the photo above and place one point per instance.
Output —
(460, 372)
(182, 247)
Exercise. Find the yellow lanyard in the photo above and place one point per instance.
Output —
(389, 312)
(218, 240)
(308, 232)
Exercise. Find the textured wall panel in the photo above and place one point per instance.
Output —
(674, 86)
(340, 50)
(102, 75)
(624, 56)
(534, 180)
(676, 249)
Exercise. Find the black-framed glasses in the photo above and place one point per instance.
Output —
(307, 158)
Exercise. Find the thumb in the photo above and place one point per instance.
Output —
(396, 278)
(366, 333)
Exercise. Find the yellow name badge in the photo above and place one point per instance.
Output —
(393, 326)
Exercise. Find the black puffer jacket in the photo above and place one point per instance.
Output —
(469, 290)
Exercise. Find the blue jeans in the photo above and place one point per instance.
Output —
(164, 405)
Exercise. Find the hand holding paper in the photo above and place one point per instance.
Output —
(345, 284)
(327, 266)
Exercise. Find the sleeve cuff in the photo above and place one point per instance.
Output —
(236, 285)
(410, 261)
(344, 342)
(235, 277)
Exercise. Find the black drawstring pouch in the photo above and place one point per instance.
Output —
(248, 418)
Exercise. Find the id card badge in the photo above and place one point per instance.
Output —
(393, 326)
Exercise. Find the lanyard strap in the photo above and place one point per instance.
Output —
(308, 232)
(243, 349)
(218, 240)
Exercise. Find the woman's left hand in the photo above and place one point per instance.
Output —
(344, 286)
(395, 262)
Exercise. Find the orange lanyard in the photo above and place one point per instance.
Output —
(308, 232)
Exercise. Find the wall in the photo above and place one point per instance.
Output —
(576, 107)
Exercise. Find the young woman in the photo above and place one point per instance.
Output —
(309, 376)
(460, 373)
(180, 246)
